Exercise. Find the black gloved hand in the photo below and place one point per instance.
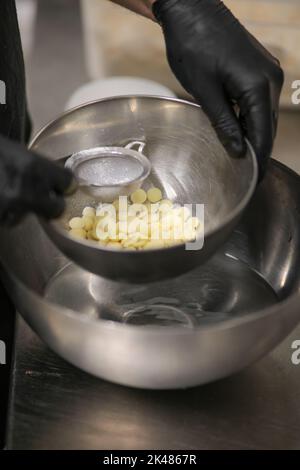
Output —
(29, 183)
(218, 62)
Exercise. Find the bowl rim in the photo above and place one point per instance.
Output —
(231, 216)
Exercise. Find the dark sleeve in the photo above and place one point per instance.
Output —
(13, 121)
(28, 127)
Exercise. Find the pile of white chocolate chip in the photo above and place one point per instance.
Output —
(143, 221)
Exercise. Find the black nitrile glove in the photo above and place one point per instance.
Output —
(220, 63)
(29, 183)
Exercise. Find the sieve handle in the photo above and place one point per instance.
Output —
(72, 188)
(136, 143)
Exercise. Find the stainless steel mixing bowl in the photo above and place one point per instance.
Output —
(188, 163)
(200, 327)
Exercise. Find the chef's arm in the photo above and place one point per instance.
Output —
(220, 63)
(142, 7)
(29, 183)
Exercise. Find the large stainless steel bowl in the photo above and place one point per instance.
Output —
(205, 325)
(188, 163)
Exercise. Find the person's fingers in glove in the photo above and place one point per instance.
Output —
(29, 183)
(219, 62)
(257, 121)
(59, 179)
(224, 120)
(49, 205)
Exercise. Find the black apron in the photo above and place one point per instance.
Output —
(14, 124)
(12, 74)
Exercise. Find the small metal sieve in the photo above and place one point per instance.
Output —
(108, 172)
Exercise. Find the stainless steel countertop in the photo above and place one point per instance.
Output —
(56, 406)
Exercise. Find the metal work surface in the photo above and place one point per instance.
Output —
(56, 406)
